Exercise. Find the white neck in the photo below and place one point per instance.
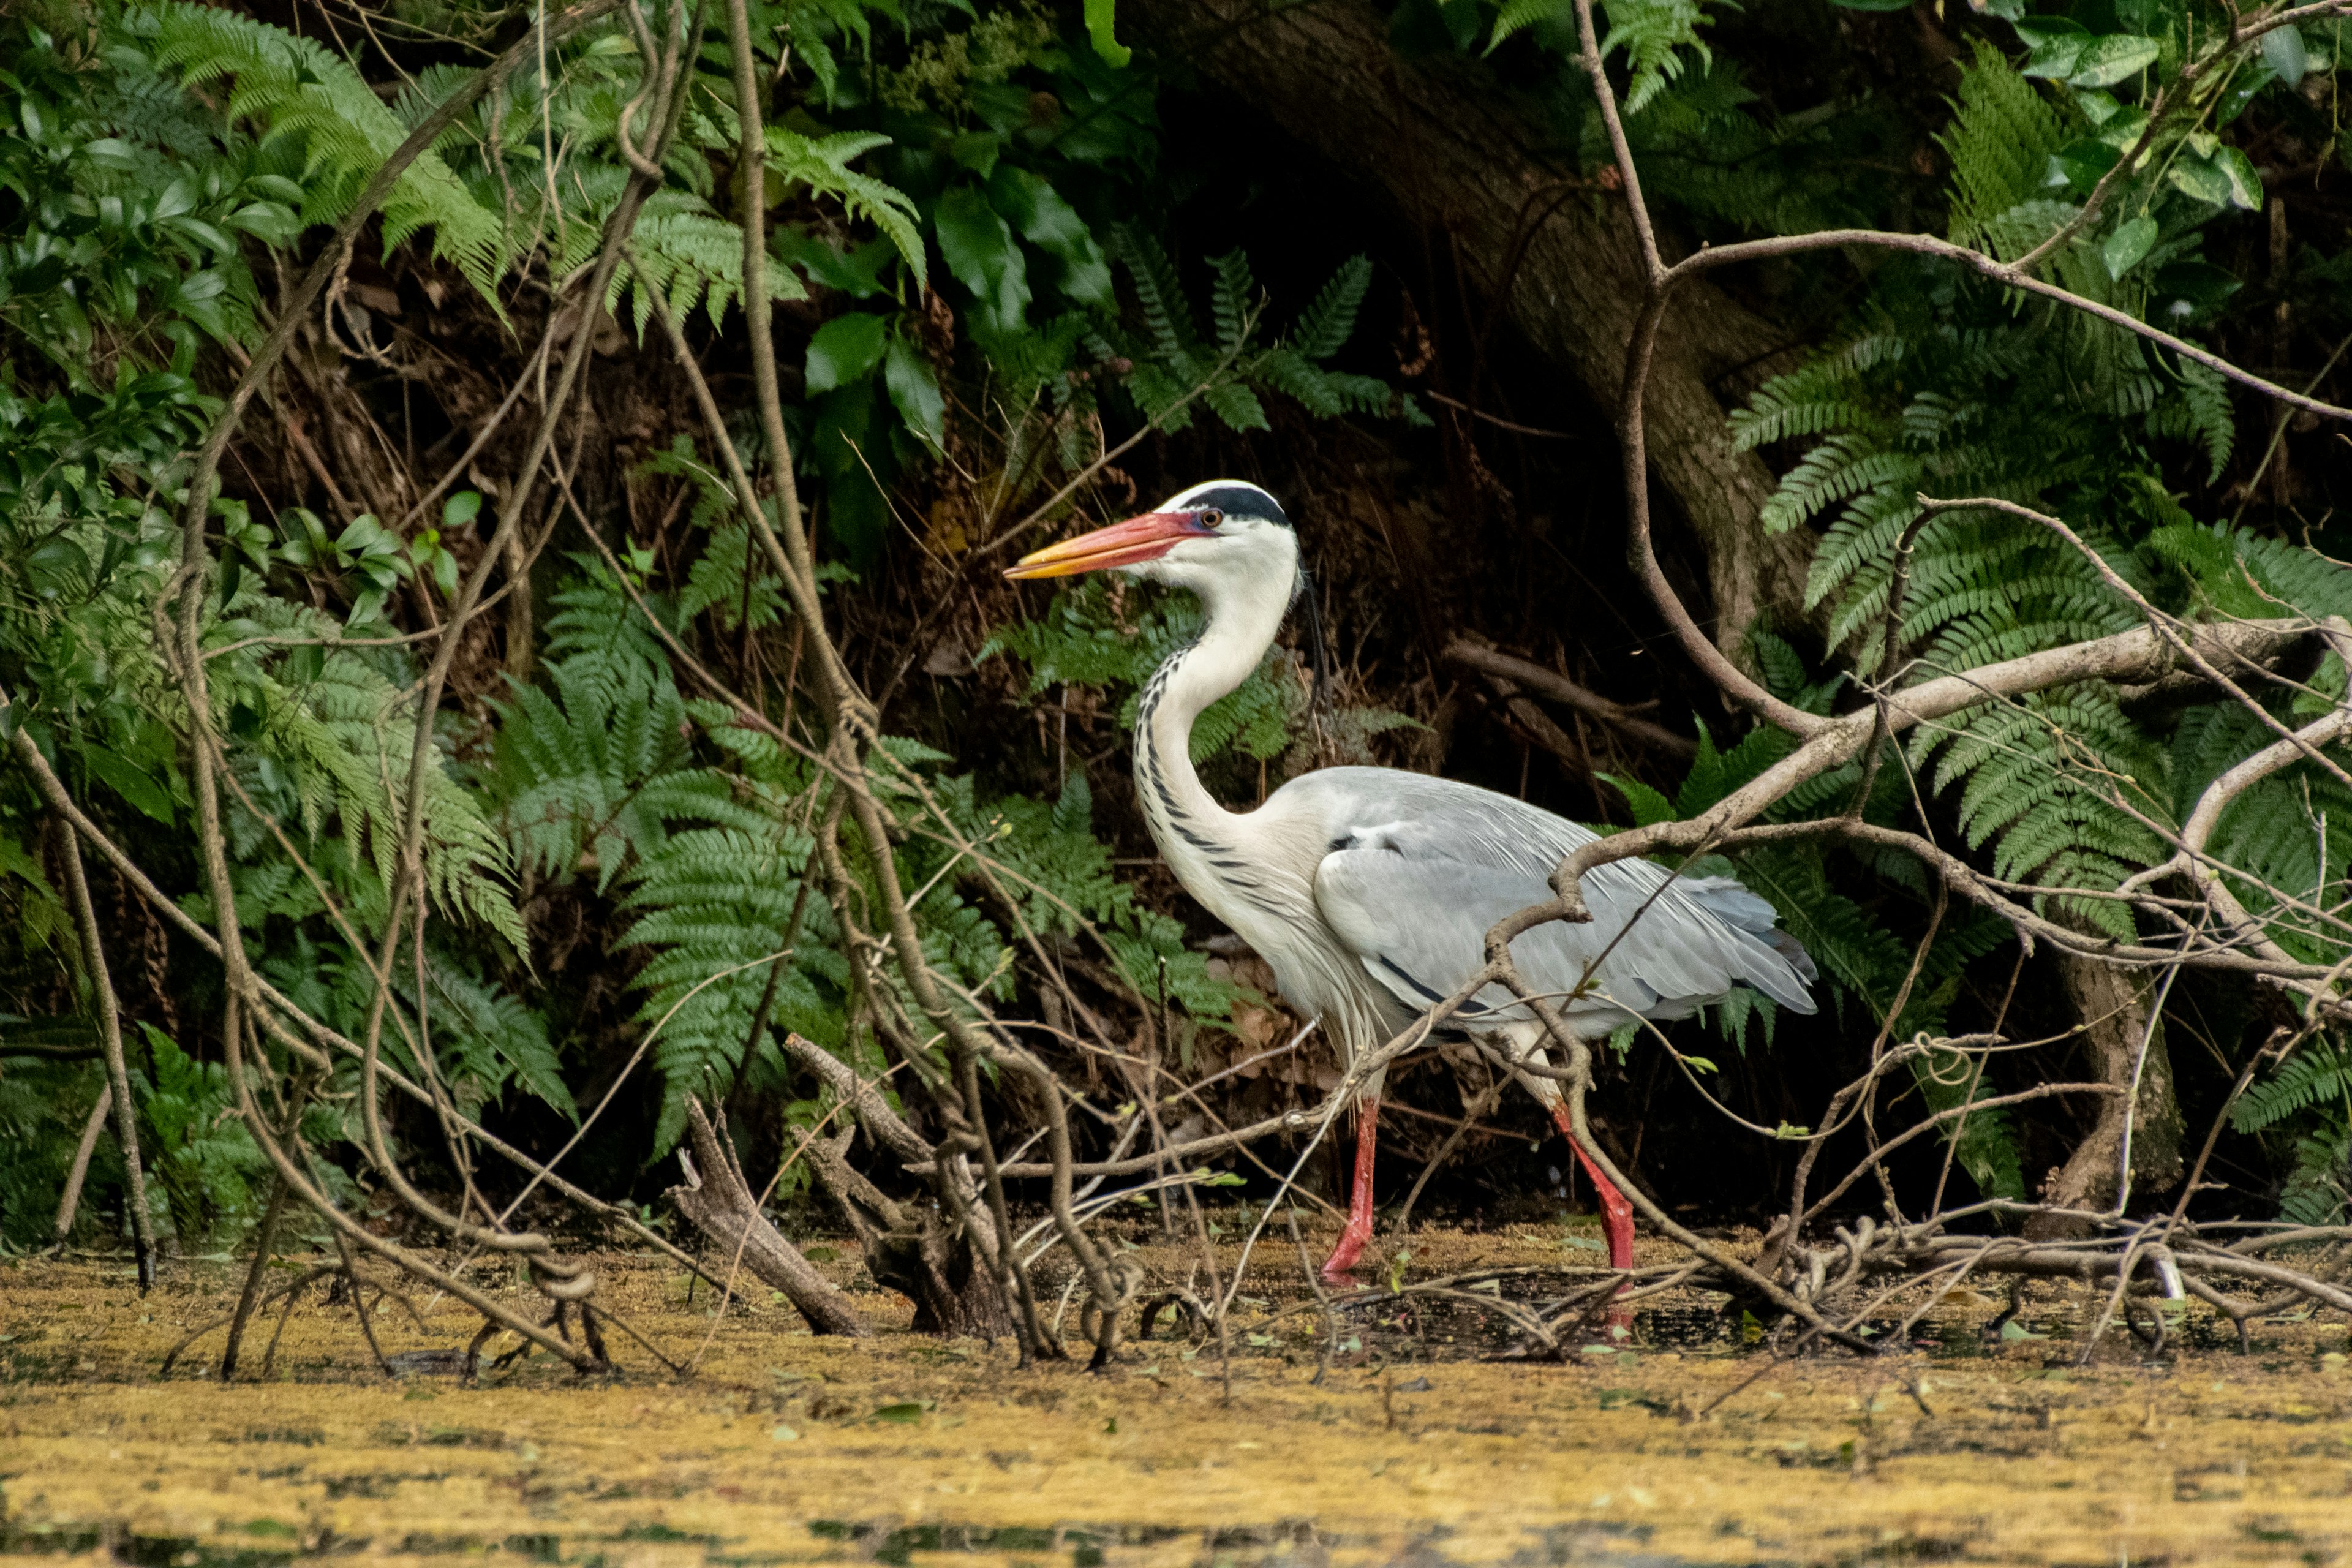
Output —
(1208, 847)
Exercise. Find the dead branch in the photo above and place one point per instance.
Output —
(1547, 682)
(118, 1073)
(722, 1205)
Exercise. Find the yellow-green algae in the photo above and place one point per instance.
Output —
(787, 1449)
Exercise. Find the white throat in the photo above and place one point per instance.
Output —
(1212, 851)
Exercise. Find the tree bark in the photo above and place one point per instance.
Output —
(940, 1266)
(723, 1209)
(913, 1250)
(2115, 1004)
(1459, 155)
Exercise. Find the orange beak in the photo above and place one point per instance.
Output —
(1138, 539)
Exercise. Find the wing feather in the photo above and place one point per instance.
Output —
(1420, 868)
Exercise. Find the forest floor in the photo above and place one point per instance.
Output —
(1414, 1446)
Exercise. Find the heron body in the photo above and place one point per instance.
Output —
(1369, 892)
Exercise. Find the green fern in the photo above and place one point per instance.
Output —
(295, 87)
(339, 731)
(1171, 358)
(710, 906)
(2001, 136)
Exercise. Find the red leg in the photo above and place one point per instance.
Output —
(1616, 1214)
(1360, 1204)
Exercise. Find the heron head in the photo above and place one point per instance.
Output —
(1221, 535)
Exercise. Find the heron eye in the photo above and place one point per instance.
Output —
(1210, 517)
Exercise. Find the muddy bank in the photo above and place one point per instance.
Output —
(1689, 1446)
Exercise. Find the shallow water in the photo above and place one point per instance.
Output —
(1688, 1446)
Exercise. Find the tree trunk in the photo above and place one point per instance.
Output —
(2115, 1004)
(1461, 157)
(723, 1207)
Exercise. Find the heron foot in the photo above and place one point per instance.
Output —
(1342, 1261)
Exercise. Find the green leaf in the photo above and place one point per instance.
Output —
(58, 557)
(1043, 218)
(365, 536)
(2282, 51)
(2107, 60)
(1099, 18)
(2245, 183)
(843, 349)
(2055, 57)
(272, 221)
(130, 782)
(2192, 287)
(2080, 163)
(2038, 30)
(2201, 181)
(461, 509)
(915, 391)
(977, 151)
(2128, 245)
(980, 252)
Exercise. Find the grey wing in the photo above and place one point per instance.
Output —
(1412, 896)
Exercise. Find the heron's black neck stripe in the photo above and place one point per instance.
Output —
(1152, 781)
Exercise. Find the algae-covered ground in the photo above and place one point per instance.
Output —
(1691, 1446)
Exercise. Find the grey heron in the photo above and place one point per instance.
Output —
(1370, 890)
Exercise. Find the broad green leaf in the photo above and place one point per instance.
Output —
(844, 349)
(179, 196)
(461, 509)
(2109, 59)
(977, 151)
(129, 780)
(2056, 57)
(58, 557)
(2122, 130)
(980, 250)
(2284, 52)
(2128, 245)
(364, 535)
(1100, 21)
(2193, 286)
(2199, 180)
(1043, 218)
(2245, 183)
(272, 221)
(915, 391)
(2038, 30)
(2080, 163)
